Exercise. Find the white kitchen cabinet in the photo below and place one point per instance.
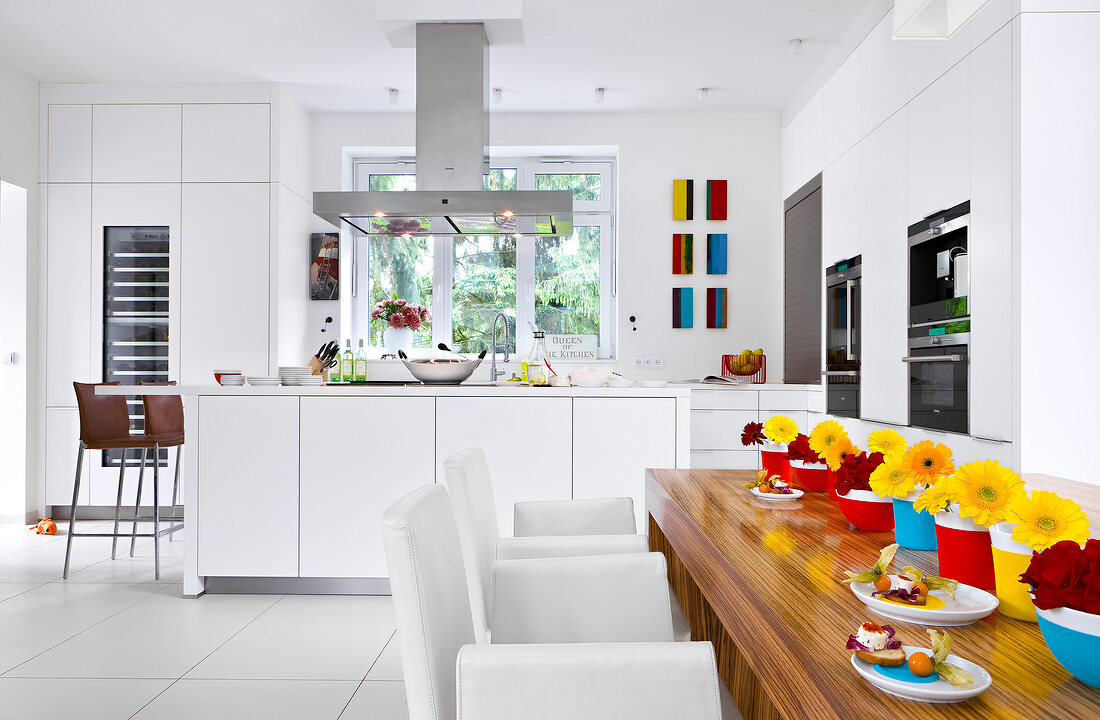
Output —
(729, 399)
(840, 208)
(928, 60)
(530, 462)
(136, 143)
(842, 107)
(790, 162)
(725, 459)
(882, 75)
(719, 429)
(389, 442)
(225, 278)
(993, 341)
(991, 19)
(247, 512)
(62, 436)
(778, 401)
(69, 144)
(885, 309)
(68, 259)
(227, 143)
(989, 450)
(813, 138)
(939, 144)
(615, 440)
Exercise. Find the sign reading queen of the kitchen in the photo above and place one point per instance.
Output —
(571, 347)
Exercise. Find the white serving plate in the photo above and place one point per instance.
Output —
(940, 691)
(654, 383)
(591, 383)
(620, 383)
(972, 604)
(264, 381)
(794, 495)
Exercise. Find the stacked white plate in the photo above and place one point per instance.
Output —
(307, 380)
(292, 374)
(233, 380)
(255, 381)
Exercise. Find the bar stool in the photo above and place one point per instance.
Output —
(105, 425)
(163, 423)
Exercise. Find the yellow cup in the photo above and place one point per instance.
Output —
(1010, 560)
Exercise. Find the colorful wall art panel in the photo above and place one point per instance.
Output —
(682, 300)
(716, 199)
(683, 199)
(716, 308)
(716, 253)
(682, 252)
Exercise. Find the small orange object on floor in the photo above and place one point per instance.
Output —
(45, 527)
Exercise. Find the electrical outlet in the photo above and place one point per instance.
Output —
(639, 361)
(649, 362)
(658, 361)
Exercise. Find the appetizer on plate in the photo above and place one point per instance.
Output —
(773, 485)
(910, 587)
(877, 646)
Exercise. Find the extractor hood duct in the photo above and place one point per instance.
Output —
(452, 138)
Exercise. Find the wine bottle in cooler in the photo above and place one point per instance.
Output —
(347, 365)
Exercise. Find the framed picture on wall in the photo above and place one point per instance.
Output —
(324, 268)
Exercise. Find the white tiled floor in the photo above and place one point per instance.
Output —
(112, 643)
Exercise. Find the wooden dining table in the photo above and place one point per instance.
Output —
(763, 581)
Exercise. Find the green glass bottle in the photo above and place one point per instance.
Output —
(361, 363)
(334, 376)
(347, 365)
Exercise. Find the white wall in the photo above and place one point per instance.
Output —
(19, 166)
(653, 149)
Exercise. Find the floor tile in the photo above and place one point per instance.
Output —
(163, 636)
(50, 614)
(136, 569)
(378, 701)
(98, 699)
(388, 664)
(11, 589)
(45, 560)
(307, 637)
(188, 699)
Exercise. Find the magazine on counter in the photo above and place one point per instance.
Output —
(722, 380)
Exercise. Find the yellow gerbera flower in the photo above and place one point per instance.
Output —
(886, 441)
(781, 429)
(929, 462)
(825, 435)
(1045, 518)
(984, 490)
(892, 478)
(935, 498)
(839, 450)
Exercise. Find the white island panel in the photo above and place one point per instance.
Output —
(359, 455)
(247, 487)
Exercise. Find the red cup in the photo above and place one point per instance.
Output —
(832, 485)
(867, 511)
(965, 551)
(774, 460)
(812, 477)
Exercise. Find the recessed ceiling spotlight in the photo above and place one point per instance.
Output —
(507, 213)
(498, 95)
(380, 214)
(598, 95)
(702, 94)
(394, 94)
(795, 46)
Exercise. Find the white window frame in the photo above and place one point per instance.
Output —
(599, 213)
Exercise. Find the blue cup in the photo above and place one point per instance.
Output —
(913, 530)
(1073, 638)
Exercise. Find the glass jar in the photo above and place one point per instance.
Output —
(537, 371)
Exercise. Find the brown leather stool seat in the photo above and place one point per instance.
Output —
(105, 425)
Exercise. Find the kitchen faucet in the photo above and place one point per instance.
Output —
(493, 372)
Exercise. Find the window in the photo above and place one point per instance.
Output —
(558, 284)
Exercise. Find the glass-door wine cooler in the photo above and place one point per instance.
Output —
(136, 306)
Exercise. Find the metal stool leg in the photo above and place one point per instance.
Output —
(156, 511)
(176, 491)
(118, 502)
(72, 510)
(137, 501)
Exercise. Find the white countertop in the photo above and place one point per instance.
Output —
(411, 390)
(694, 385)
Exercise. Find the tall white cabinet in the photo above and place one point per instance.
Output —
(202, 160)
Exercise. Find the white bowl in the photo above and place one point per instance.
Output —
(620, 383)
(591, 383)
(654, 383)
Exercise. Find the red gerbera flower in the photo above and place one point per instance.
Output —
(753, 434)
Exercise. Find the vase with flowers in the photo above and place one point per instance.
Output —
(808, 471)
(864, 509)
(1065, 587)
(772, 437)
(402, 319)
(905, 475)
(1032, 523)
(831, 443)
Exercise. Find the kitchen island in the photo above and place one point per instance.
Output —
(286, 486)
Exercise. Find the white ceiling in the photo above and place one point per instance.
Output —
(335, 56)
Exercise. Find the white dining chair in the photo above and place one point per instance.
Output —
(450, 677)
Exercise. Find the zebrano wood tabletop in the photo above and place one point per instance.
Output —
(771, 575)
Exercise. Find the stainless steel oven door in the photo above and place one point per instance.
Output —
(939, 392)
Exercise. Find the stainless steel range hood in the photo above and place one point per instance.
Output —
(452, 139)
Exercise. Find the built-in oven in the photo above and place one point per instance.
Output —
(842, 337)
(939, 376)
